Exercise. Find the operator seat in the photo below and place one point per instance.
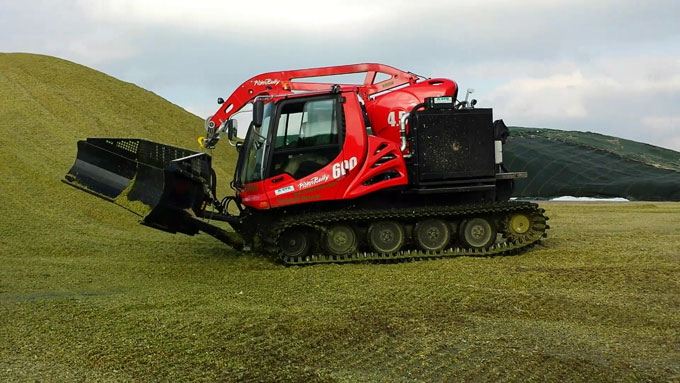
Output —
(304, 164)
(316, 134)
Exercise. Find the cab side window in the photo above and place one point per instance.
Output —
(306, 138)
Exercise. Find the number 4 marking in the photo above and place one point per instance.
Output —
(391, 120)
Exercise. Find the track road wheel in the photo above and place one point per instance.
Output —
(340, 240)
(432, 234)
(477, 233)
(295, 243)
(386, 237)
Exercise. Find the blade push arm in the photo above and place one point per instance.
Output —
(281, 83)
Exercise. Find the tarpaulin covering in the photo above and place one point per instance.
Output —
(584, 164)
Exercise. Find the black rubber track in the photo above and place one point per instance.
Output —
(500, 211)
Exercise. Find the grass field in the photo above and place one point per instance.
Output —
(598, 301)
(86, 293)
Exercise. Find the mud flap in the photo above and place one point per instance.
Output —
(167, 186)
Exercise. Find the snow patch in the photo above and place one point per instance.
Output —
(569, 198)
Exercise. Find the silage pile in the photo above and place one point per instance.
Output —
(584, 164)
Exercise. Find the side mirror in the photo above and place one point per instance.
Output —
(231, 129)
(258, 113)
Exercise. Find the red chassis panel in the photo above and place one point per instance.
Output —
(344, 177)
(366, 163)
(385, 111)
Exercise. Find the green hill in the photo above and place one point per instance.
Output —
(88, 294)
(46, 106)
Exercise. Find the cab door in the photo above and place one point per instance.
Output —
(249, 177)
(306, 141)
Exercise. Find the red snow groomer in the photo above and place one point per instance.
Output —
(393, 167)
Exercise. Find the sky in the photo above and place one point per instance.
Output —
(610, 67)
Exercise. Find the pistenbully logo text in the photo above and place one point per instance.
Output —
(267, 81)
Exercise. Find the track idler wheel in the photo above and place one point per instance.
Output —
(386, 237)
(432, 234)
(523, 226)
(517, 226)
(477, 233)
(340, 240)
(295, 243)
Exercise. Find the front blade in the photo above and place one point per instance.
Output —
(165, 185)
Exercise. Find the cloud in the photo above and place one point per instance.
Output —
(534, 22)
(62, 29)
(556, 96)
(240, 18)
(621, 96)
(608, 66)
(93, 50)
(663, 130)
(662, 124)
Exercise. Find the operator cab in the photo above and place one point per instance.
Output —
(298, 136)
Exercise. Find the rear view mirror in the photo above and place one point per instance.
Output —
(231, 129)
(258, 113)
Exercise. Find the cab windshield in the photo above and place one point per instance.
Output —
(254, 148)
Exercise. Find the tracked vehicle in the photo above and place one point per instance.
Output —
(392, 167)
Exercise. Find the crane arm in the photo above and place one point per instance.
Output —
(279, 83)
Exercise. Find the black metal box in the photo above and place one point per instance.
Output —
(450, 145)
